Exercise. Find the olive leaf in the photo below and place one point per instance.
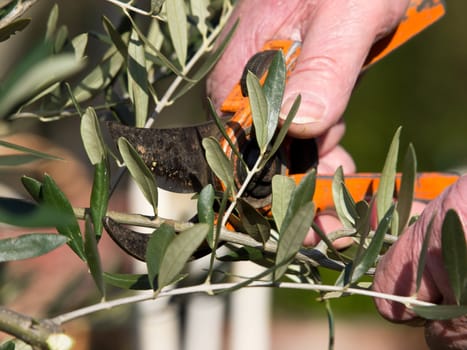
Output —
(128, 281)
(79, 44)
(143, 177)
(116, 37)
(283, 130)
(33, 187)
(423, 254)
(206, 211)
(92, 255)
(138, 78)
(344, 204)
(282, 189)
(454, 252)
(157, 246)
(39, 76)
(13, 27)
(99, 77)
(407, 188)
(218, 161)
(255, 224)
(53, 196)
(100, 193)
(259, 110)
(200, 9)
(385, 195)
(176, 18)
(21, 213)
(273, 88)
(179, 251)
(368, 258)
(91, 136)
(302, 194)
(29, 246)
(292, 238)
(440, 312)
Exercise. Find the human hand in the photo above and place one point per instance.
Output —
(396, 272)
(336, 37)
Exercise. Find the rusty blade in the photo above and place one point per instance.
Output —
(174, 155)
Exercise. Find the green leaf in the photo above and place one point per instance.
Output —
(406, 191)
(302, 194)
(423, 253)
(21, 213)
(54, 197)
(385, 195)
(255, 224)
(273, 88)
(259, 110)
(176, 19)
(93, 258)
(283, 130)
(98, 78)
(207, 64)
(33, 187)
(17, 159)
(38, 77)
(179, 252)
(343, 202)
(100, 196)
(143, 177)
(61, 38)
(454, 251)
(292, 238)
(218, 161)
(13, 27)
(200, 9)
(165, 61)
(92, 137)
(9, 345)
(138, 79)
(52, 22)
(282, 189)
(206, 210)
(440, 312)
(33, 153)
(29, 246)
(369, 257)
(157, 246)
(115, 36)
(128, 281)
(79, 44)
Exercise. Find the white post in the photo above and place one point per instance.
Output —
(250, 316)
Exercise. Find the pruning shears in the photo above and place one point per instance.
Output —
(177, 158)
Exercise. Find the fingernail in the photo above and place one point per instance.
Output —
(312, 108)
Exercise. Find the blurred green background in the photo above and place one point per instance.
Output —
(422, 86)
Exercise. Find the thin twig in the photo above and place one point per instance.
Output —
(16, 12)
(210, 288)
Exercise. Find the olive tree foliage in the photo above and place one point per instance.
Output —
(174, 41)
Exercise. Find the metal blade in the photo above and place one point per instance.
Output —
(174, 155)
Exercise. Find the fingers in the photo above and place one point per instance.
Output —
(259, 21)
(335, 43)
(396, 273)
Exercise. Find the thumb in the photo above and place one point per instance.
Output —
(332, 55)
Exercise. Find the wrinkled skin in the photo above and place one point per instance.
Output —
(396, 272)
(336, 36)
